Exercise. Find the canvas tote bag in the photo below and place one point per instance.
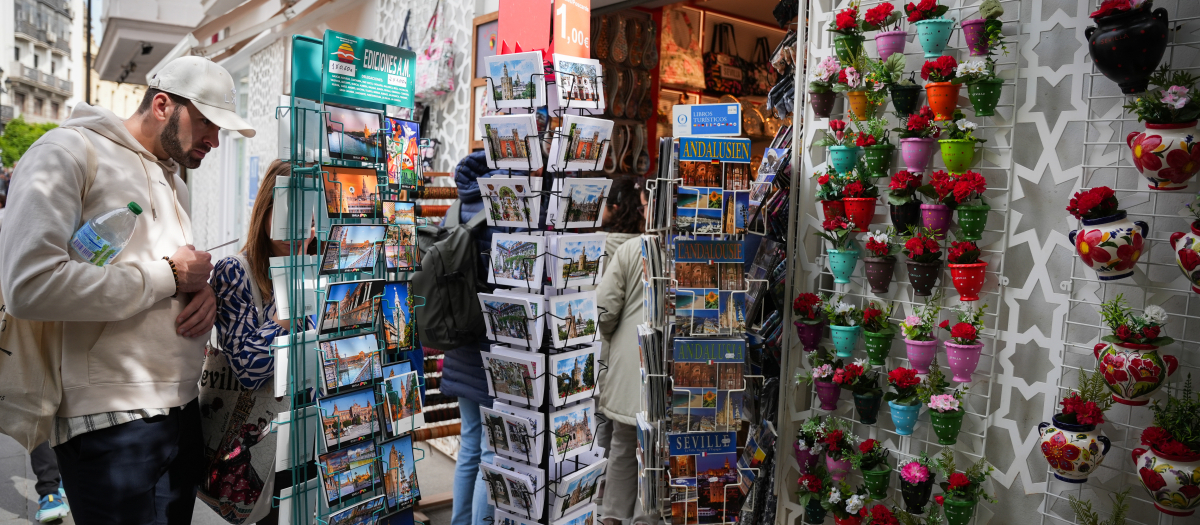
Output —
(724, 70)
(435, 64)
(31, 359)
(238, 432)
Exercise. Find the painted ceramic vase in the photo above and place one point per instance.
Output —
(1132, 371)
(878, 159)
(963, 359)
(920, 354)
(838, 468)
(861, 211)
(972, 219)
(858, 106)
(1166, 154)
(1172, 481)
(923, 276)
(905, 215)
(822, 103)
(805, 459)
(916, 495)
(968, 280)
(1110, 245)
(879, 272)
(1187, 254)
(917, 153)
(843, 158)
(947, 425)
(813, 512)
(936, 217)
(957, 154)
(842, 263)
(844, 338)
(1073, 450)
(848, 47)
(904, 417)
(959, 511)
(809, 334)
(878, 481)
(985, 96)
(833, 209)
(973, 33)
(942, 98)
(934, 34)
(867, 406)
(1127, 46)
(905, 99)
(888, 43)
(828, 393)
(879, 346)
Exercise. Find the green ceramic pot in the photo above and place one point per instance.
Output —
(958, 154)
(878, 159)
(972, 219)
(878, 481)
(947, 425)
(984, 96)
(960, 512)
(847, 47)
(879, 345)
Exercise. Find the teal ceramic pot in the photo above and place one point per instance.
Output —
(843, 158)
(842, 263)
(904, 417)
(934, 35)
(844, 338)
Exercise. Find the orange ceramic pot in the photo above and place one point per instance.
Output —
(943, 99)
(860, 107)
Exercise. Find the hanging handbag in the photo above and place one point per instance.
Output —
(724, 70)
(762, 75)
(435, 64)
(236, 427)
(681, 55)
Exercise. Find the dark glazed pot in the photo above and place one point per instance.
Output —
(868, 407)
(905, 215)
(879, 272)
(904, 98)
(813, 512)
(916, 496)
(822, 103)
(923, 276)
(1128, 46)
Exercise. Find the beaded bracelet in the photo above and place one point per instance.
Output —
(174, 273)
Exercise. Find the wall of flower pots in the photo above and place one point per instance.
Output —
(1012, 293)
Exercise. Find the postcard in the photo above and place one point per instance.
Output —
(538, 305)
(573, 319)
(349, 362)
(348, 418)
(400, 250)
(511, 141)
(396, 213)
(584, 142)
(521, 427)
(580, 203)
(586, 515)
(736, 213)
(402, 140)
(701, 221)
(350, 305)
(578, 259)
(509, 490)
(535, 473)
(576, 490)
(353, 134)
(515, 376)
(704, 475)
(517, 260)
(516, 80)
(399, 473)
(351, 193)
(352, 248)
(365, 513)
(402, 399)
(574, 375)
(395, 307)
(580, 82)
(348, 472)
(573, 429)
(504, 518)
(512, 201)
(509, 320)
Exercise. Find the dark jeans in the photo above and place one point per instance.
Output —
(45, 467)
(140, 473)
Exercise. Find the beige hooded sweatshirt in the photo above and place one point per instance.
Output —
(120, 349)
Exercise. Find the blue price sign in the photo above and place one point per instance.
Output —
(711, 120)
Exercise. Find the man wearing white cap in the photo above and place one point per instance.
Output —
(127, 434)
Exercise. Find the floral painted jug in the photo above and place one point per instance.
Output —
(1074, 451)
(1167, 155)
(1187, 254)
(1133, 371)
(1110, 245)
(1172, 481)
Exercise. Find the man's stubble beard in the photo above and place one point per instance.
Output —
(172, 145)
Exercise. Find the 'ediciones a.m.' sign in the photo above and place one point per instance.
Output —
(368, 70)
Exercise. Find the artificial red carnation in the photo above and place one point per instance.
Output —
(964, 332)
(914, 246)
(837, 125)
(958, 481)
(842, 78)
(1124, 333)
(944, 324)
(881, 515)
(823, 180)
(917, 123)
(1175, 448)
(805, 305)
(903, 180)
(880, 249)
(833, 440)
(1151, 332)
(866, 446)
(877, 15)
(1111, 7)
(942, 68)
(810, 483)
(903, 377)
(839, 377)
(853, 190)
(847, 19)
(963, 252)
(1095, 203)
(1089, 414)
(943, 184)
(1153, 436)
(836, 223)
(968, 185)
(940, 499)
(865, 140)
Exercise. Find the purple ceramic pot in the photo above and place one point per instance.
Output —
(920, 354)
(973, 34)
(829, 392)
(918, 153)
(838, 469)
(804, 458)
(963, 360)
(809, 334)
(890, 42)
(936, 217)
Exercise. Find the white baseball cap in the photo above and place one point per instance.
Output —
(208, 86)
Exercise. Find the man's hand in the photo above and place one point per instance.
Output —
(198, 316)
(193, 267)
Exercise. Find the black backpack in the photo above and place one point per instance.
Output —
(449, 281)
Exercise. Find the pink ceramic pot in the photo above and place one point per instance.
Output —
(918, 153)
(890, 42)
(936, 217)
(973, 34)
(920, 354)
(838, 469)
(804, 458)
(828, 393)
(963, 360)
(809, 334)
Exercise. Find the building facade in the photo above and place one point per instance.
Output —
(38, 59)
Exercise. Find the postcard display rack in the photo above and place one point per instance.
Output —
(1156, 280)
(356, 376)
(994, 160)
(543, 318)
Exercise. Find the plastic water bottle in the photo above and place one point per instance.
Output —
(104, 236)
